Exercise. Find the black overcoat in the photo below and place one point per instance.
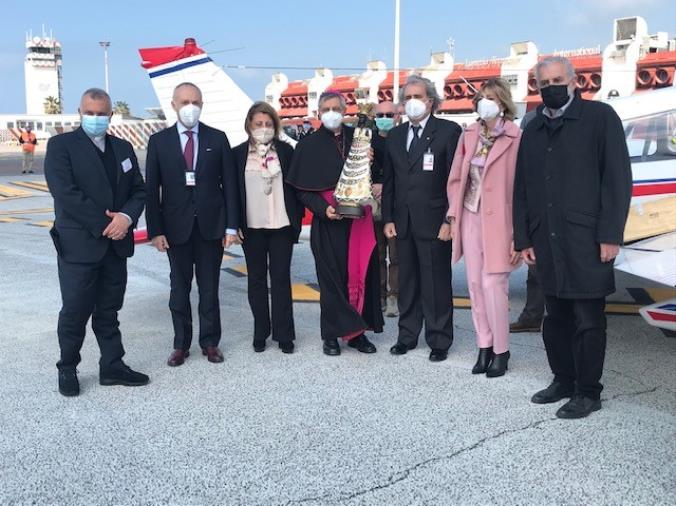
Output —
(572, 193)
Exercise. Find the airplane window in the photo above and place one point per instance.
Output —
(651, 138)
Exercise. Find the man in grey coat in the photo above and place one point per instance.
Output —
(571, 198)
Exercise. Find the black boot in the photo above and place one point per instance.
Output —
(483, 361)
(68, 382)
(498, 366)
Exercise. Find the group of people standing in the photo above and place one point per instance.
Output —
(556, 193)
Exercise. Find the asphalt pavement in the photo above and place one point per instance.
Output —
(276, 429)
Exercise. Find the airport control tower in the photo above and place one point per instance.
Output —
(42, 72)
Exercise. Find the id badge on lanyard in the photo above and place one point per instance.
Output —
(428, 160)
(190, 178)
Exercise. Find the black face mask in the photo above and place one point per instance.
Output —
(555, 96)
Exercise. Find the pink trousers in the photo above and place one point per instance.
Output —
(489, 293)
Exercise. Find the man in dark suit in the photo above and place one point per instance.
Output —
(98, 198)
(571, 199)
(417, 162)
(192, 214)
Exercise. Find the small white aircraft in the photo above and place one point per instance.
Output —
(649, 120)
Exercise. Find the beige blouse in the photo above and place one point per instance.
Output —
(263, 181)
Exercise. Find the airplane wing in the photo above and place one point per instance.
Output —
(653, 259)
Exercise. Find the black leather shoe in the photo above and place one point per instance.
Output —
(400, 349)
(438, 355)
(259, 345)
(331, 347)
(553, 393)
(287, 347)
(68, 382)
(362, 344)
(483, 360)
(578, 407)
(498, 366)
(123, 375)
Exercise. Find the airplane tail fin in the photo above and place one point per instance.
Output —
(225, 104)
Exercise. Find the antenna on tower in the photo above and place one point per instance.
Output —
(43, 31)
(451, 46)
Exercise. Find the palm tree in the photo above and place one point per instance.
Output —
(52, 105)
(121, 108)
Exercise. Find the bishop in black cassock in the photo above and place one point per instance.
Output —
(315, 170)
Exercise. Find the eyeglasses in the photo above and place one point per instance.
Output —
(384, 115)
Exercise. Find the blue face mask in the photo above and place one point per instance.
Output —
(95, 126)
(385, 124)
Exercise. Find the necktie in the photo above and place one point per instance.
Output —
(189, 151)
(416, 138)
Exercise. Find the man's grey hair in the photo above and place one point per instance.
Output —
(186, 83)
(430, 90)
(97, 94)
(328, 95)
(550, 60)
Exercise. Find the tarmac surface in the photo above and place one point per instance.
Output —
(275, 429)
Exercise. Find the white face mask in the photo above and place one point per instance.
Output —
(415, 109)
(332, 120)
(263, 135)
(487, 109)
(189, 115)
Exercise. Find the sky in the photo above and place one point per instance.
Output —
(292, 33)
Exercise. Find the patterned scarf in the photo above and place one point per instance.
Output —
(486, 141)
(265, 156)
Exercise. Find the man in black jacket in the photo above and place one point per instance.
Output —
(386, 119)
(192, 214)
(417, 162)
(98, 198)
(571, 198)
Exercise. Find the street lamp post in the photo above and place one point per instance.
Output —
(105, 45)
(395, 84)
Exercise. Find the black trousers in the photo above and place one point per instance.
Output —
(425, 292)
(96, 290)
(534, 310)
(270, 251)
(204, 257)
(574, 333)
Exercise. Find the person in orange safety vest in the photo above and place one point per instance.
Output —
(28, 141)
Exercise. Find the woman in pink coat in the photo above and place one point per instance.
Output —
(480, 212)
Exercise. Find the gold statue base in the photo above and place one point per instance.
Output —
(350, 210)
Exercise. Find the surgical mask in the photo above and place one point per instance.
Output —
(555, 96)
(487, 109)
(415, 109)
(332, 119)
(189, 115)
(385, 124)
(263, 135)
(94, 126)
